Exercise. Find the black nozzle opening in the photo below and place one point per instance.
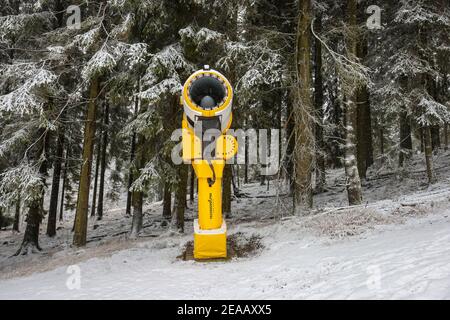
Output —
(207, 92)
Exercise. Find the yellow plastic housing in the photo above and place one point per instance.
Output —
(209, 196)
(226, 147)
(210, 244)
(192, 145)
(210, 227)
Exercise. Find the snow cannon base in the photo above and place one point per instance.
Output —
(210, 244)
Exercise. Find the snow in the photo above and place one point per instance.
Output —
(102, 61)
(87, 40)
(412, 261)
(394, 246)
(29, 97)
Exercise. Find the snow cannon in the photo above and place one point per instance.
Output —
(206, 99)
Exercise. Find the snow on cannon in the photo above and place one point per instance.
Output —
(206, 98)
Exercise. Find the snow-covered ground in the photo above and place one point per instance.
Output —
(407, 261)
(395, 246)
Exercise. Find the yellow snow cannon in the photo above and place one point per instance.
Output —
(206, 99)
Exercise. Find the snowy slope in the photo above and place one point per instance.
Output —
(397, 245)
(395, 262)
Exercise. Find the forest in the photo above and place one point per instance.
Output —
(90, 96)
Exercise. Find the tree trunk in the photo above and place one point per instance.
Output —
(381, 138)
(64, 182)
(303, 109)
(351, 169)
(180, 196)
(405, 137)
(192, 186)
(433, 89)
(422, 142)
(138, 215)
(290, 136)
(234, 177)
(318, 103)
(246, 161)
(81, 215)
(137, 221)
(428, 154)
(31, 238)
(435, 137)
(137, 199)
(30, 242)
(17, 214)
(364, 122)
(167, 201)
(226, 190)
(130, 174)
(132, 155)
(52, 212)
(364, 132)
(336, 118)
(446, 136)
(101, 189)
(97, 167)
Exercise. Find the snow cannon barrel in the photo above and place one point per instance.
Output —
(207, 97)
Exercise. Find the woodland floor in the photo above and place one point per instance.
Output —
(395, 245)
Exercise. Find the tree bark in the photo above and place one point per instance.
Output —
(180, 196)
(30, 242)
(64, 182)
(101, 189)
(97, 167)
(234, 177)
(137, 221)
(435, 137)
(132, 155)
(337, 121)
(428, 154)
(303, 111)
(405, 128)
(54, 194)
(446, 136)
(226, 191)
(381, 138)
(167, 201)
(364, 122)
(137, 199)
(81, 215)
(246, 161)
(405, 137)
(318, 103)
(351, 169)
(31, 237)
(130, 174)
(364, 132)
(192, 185)
(17, 214)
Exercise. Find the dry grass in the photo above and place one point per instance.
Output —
(21, 266)
(411, 211)
(348, 223)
